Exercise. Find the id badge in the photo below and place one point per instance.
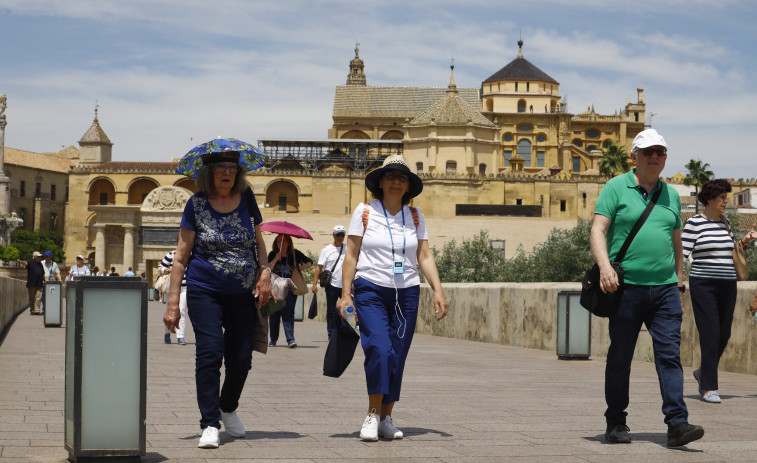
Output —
(399, 264)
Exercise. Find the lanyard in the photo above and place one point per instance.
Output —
(386, 216)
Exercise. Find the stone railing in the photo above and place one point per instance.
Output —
(15, 298)
(525, 315)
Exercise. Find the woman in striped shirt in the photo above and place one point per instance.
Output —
(706, 238)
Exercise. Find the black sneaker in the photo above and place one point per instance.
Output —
(618, 434)
(683, 433)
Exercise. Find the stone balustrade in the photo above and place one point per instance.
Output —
(525, 315)
(15, 298)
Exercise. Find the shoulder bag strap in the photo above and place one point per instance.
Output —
(251, 211)
(637, 226)
(341, 248)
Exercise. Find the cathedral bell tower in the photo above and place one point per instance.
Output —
(356, 75)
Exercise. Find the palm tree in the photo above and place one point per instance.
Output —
(614, 160)
(698, 175)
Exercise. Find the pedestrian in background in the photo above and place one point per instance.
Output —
(331, 259)
(165, 268)
(652, 288)
(386, 245)
(707, 238)
(283, 259)
(78, 270)
(35, 277)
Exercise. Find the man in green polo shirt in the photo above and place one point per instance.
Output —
(652, 287)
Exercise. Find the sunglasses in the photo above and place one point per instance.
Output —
(392, 176)
(661, 152)
(341, 235)
(221, 169)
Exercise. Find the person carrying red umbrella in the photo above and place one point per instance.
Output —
(284, 259)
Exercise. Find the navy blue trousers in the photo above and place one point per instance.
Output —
(713, 302)
(659, 308)
(332, 313)
(385, 336)
(223, 326)
(284, 316)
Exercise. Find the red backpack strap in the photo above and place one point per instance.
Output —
(366, 213)
(416, 220)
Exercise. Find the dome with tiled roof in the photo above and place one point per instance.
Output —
(520, 69)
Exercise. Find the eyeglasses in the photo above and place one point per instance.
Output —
(661, 152)
(392, 176)
(222, 169)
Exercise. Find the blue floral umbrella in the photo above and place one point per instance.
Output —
(250, 156)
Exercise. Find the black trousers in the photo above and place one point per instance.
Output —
(713, 301)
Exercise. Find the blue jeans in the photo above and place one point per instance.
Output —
(332, 313)
(285, 316)
(223, 325)
(713, 302)
(659, 308)
(385, 336)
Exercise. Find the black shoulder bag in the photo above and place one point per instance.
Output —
(324, 278)
(606, 304)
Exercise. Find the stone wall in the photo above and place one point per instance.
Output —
(15, 298)
(525, 315)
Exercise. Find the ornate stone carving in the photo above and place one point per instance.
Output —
(166, 198)
(9, 224)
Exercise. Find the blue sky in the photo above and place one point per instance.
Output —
(170, 74)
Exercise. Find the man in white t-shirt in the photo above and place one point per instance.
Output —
(331, 260)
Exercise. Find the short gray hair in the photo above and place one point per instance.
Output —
(205, 181)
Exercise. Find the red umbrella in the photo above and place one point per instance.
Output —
(285, 228)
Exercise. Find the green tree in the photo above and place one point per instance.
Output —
(28, 242)
(474, 261)
(698, 175)
(614, 160)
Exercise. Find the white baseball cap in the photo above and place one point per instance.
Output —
(339, 229)
(647, 138)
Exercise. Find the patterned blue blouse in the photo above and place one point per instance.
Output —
(222, 258)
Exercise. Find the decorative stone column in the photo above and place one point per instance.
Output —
(128, 246)
(5, 182)
(100, 247)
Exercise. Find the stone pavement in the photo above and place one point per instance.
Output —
(462, 402)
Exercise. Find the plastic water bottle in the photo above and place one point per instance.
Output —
(349, 315)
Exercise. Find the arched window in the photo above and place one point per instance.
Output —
(521, 105)
(577, 142)
(591, 147)
(606, 143)
(451, 167)
(524, 149)
(102, 192)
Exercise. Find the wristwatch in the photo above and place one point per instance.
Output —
(265, 267)
(682, 288)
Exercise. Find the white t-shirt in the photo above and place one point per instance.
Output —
(328, 256)
(375, 262)
(76, 271)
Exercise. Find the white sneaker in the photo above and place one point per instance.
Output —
(712, 397)
(232, 424)
(209, 438)
(387, 430)
(369, 431)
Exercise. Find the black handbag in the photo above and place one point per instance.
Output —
(606, 304)
(324, 278)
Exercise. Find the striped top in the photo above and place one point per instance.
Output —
(167, 263)
(711, 248)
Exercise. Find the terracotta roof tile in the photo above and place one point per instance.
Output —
(400, 102)
(46, 161)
